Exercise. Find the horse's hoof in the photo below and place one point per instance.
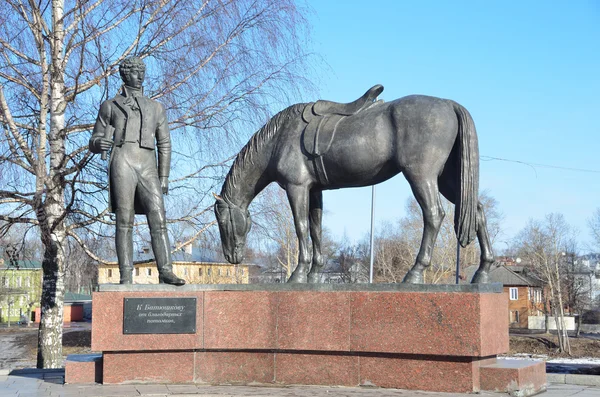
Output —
(314, 277)
(480, 278)
(413, 278)
(297, 278)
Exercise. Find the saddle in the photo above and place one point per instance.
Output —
(322, 118)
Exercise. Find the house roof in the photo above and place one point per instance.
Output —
(513, 275)
(22, 264)
(74, 297)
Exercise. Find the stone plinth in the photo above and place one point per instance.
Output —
(426, 337)
(83, 368)
(505, 375)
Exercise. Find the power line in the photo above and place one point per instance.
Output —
(533, 165)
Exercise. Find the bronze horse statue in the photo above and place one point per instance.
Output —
(311, 147)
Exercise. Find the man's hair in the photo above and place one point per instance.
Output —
(129, 64)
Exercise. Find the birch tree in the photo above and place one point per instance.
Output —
(217, 66)
(543, 246)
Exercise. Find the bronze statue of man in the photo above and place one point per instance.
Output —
(136, 181)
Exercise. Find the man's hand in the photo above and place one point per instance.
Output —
(103, 144)
(164, 184)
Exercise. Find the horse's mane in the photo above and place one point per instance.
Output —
(260, 139)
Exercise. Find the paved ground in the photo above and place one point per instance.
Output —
(49, 383)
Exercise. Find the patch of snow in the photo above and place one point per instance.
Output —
(578, 361)
(582, 360)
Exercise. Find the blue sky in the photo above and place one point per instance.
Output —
(529, 73)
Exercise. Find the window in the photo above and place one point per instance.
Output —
(209, 271)
(137, 271)
(185, 271)
(109, 273)
(200, 271)
(28, 282)
(228, 272)
(148, 272)
(514, 316)
(19, 282)
(514, 294)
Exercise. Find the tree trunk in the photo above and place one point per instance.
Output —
(51, 215)
(49, 353)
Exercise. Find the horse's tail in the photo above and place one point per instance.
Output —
(465, 214)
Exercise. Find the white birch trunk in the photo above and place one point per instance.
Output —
(53, 223)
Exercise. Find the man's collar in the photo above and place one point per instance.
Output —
(132, 92)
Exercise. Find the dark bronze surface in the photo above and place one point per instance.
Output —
(431, 141)
(135, 129)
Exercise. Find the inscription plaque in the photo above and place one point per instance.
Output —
(159, 316)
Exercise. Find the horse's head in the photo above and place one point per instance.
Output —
(234, 225)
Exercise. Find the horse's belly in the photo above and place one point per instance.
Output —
(359, 160)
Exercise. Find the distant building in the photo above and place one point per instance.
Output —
(526, 294)
(586, 274)
(20, 289)
(191, 272)
(194, 265)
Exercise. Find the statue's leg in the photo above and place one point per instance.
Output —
(316, 216)
(427, 194)
(150, 196)
(123, 181)
(486, 259)
(448, 188)
(124, 243)
(298, 197)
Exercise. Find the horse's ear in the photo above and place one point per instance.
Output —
(217, 197)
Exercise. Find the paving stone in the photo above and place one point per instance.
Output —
(182, 389)
(151, 390)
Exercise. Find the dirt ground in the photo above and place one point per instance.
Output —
(548, 345)
(19, 345)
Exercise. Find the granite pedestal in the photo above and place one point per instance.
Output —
(420, 337)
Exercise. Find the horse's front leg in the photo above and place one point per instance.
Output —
(486, 259)
(298, 198)
(316, 217)
(427, 194)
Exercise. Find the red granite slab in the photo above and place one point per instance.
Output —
(528, 377)
(316, 369)
(446, 324)
(313, 321)
(494, 324)
(234, 367)
(419, 374)
(155, 367)
(234, 320)
(107, 327)
(88, 371)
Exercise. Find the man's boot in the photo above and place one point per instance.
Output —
(124, 245)
(162, 253)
